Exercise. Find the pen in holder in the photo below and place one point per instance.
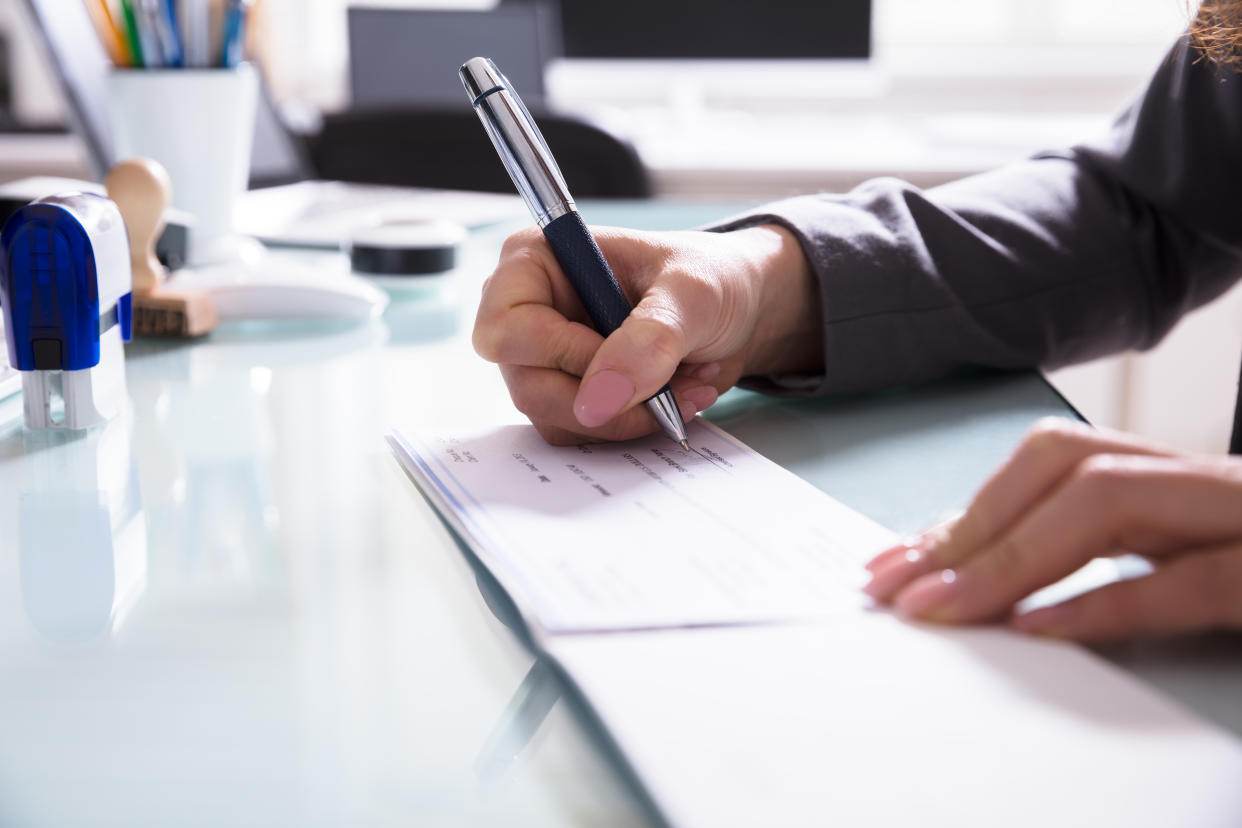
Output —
(199, 124)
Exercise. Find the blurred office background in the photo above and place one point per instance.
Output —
(940, 89)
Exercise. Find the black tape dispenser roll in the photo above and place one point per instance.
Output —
(406, 249)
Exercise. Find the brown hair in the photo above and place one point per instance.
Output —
(1217, 31)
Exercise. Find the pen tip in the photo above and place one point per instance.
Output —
(685, 445)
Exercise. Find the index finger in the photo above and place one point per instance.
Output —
(1048, 454)
(528, 314)
(1168, 504)
(528, 272)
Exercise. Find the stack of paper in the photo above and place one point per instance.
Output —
(707, 605)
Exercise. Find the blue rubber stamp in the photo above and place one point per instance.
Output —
(65, 291)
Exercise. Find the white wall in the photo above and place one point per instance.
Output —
(1180, 393)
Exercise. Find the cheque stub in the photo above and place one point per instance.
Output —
(643, 534)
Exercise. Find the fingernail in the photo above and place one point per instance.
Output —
(701, 396)
(602, 397)
(930, 597)
(896, 572)
(707, 372)
(1050, 622)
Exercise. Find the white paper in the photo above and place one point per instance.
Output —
(643, 534)
(847, 716)
(869, 721)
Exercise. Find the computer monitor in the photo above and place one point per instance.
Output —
(710, 29)
(81, 65)
(410, 56)
(771, 50)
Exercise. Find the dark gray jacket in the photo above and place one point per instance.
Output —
(1058, 259)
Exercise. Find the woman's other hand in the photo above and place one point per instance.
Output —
(1069, 494)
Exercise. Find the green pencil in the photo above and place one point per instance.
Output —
(131, 33)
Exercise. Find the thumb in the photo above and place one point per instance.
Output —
(633, 363)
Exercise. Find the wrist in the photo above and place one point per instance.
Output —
(788, 334)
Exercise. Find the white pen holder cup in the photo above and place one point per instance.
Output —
(198, 123)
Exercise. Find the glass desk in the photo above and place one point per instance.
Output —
(232, 607)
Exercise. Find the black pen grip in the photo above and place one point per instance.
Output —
(587, 270)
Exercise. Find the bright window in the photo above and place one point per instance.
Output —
(305, 39)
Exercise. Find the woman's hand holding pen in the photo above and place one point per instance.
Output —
(1069, 494)
(708, 308)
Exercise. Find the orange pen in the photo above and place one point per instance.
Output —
(111, 36)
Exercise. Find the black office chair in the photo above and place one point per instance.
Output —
(447, 148)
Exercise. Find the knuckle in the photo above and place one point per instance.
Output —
(1051, 424)
(524, 398)
(659, 336)
(486, 338)
(526, 257)
(699, 287)
(516, 264)
(522, 240)
(1051, 434)
(1096, 478)
(564, 353)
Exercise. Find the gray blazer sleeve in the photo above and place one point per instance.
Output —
(1061, 258)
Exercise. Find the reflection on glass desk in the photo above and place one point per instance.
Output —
(81, 536)
(232, 607)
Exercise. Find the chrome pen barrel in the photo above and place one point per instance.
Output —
(518, 141)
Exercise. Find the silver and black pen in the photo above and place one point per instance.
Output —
(539, 181)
